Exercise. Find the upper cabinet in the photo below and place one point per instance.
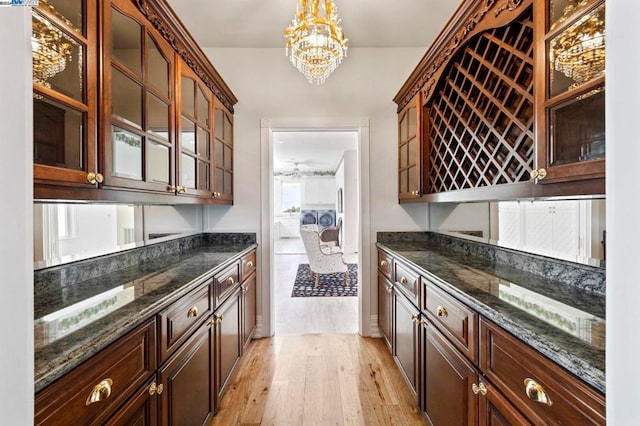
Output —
(497, 113)
(570, 100)
(138, 128)
(223, 153)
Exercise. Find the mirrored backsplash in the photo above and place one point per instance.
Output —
(64, 233)
(573, 230)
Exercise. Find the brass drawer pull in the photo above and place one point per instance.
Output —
(193, 312)
(172, 188)
(383, 263)
(250, 264)
(415, 317)
(244, 288)
(536, 392)
(403, 280)
(230, 280)
(389, 288)
(100, 392)
(217, 319)
(153, 388)
(538, 174)
(480, 388)
(442, 312)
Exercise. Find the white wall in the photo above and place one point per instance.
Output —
(350, 199)
(623, 205)
(16, 216)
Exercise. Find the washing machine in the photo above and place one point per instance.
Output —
(326, 218)
(308, 217)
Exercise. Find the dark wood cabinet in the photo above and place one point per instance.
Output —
(249, 301)
(406, 339)
(223, 153)
(189, 394)
(140, 410)
(449, 378)
(385, 307)
(410, 149)
(496, 410)
(228, 337)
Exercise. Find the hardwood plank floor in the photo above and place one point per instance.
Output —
(318, 379)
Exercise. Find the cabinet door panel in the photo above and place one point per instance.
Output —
(405, 338)
(140, 410)
(248, 308)
(496, 410)
(385, 290)
(228, 339)
(409, 149)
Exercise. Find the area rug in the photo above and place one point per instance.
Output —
(330, 284)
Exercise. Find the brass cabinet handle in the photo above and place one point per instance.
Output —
(172, 188)
(250, 264)
(389, 288)
(92, 178)
(216, 194)
(217, 319)
(244, 288)
(480, 388)
(403, 280)
(231, 280)
(153, 388)
(538, 174)
(442, 312)
(182, 189)
(383, 263)
(415, 317)
(536, 392)
(193, 312)
(100, 392)
(99, 178)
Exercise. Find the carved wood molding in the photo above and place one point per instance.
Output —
(172, 30)
(489, 14)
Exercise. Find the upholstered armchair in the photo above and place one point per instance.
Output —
(322, 260)
(331, 234)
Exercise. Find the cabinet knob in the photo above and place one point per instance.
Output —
(100, 392)
(92, 178)
(480, 388)
(244, 288)
(389, 288)
(383, 263)
(250, 264)
(415, 317)
(99, 178)
(217, 319)
(181, 189)
(403, 280)
(193, 312)
(442, 312)
(536, 392)
(538, 174)
(153, 388)
(172, 188)
(230, 280)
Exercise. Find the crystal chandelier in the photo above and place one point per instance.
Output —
(50, 50)
(579, 51)
(316, 44)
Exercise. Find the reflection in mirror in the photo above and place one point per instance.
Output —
(167, 222)
(68, 232)
(572, 230)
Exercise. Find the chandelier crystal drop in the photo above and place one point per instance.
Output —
(316, 44)
(51, 50)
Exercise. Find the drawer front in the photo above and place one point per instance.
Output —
(407, 280)
(248, 264)
(385, 263)
(515, 367)
(225, 282)
(111, 376)
(183, 317)
(454, 319)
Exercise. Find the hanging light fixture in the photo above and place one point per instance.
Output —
(316, 44)
(579, 51)
(50, 48)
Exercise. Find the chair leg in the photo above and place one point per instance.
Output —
(346, 278)
(310, 273)
(317, 279)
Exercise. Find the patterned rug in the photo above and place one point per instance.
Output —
(330, 284)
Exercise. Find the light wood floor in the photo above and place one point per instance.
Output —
(321, 379)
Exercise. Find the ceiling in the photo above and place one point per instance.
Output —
(313, 151)
(366, 23)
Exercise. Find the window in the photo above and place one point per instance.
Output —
(291, 197)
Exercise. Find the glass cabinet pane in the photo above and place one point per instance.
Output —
(157, 162)
(218, 153)
(58, 134)
(412, 148)
(578, 129)
(577, 54)
(203, 175)
(412, 113)
(187, 102)
(228, 158)
(157, 116)
(58, 60)
(126, 97)
(218, 118)
(157, 68)
(228, 179)
(403, 127)
(203, 107)
(187, 135)
(219, 181)
(560, 10)
(70, 11)
(228, 133)
(203, 142)
(126, 41)
(188, 171)
(127, 154)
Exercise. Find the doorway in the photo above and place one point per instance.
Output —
(300, 186)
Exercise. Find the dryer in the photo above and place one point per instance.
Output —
(308, 217)
(326, 218)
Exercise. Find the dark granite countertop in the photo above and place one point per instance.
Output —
(564, 322)
(73, 322)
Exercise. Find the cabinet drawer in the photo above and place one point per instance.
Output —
(119, 370)
(248, 264)
(511, 365)
(407, 280)
(385, 263)
(183, 317)
(454, 319)
(225, 282)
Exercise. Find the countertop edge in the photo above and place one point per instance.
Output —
(576, 366)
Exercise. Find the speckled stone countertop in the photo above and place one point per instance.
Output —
(561, 319)
(76, 320)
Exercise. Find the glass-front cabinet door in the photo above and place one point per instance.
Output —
(138, 119)
(63, 43)
(409, 149)
(223, 153)
(570, 93)
(195, 134)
